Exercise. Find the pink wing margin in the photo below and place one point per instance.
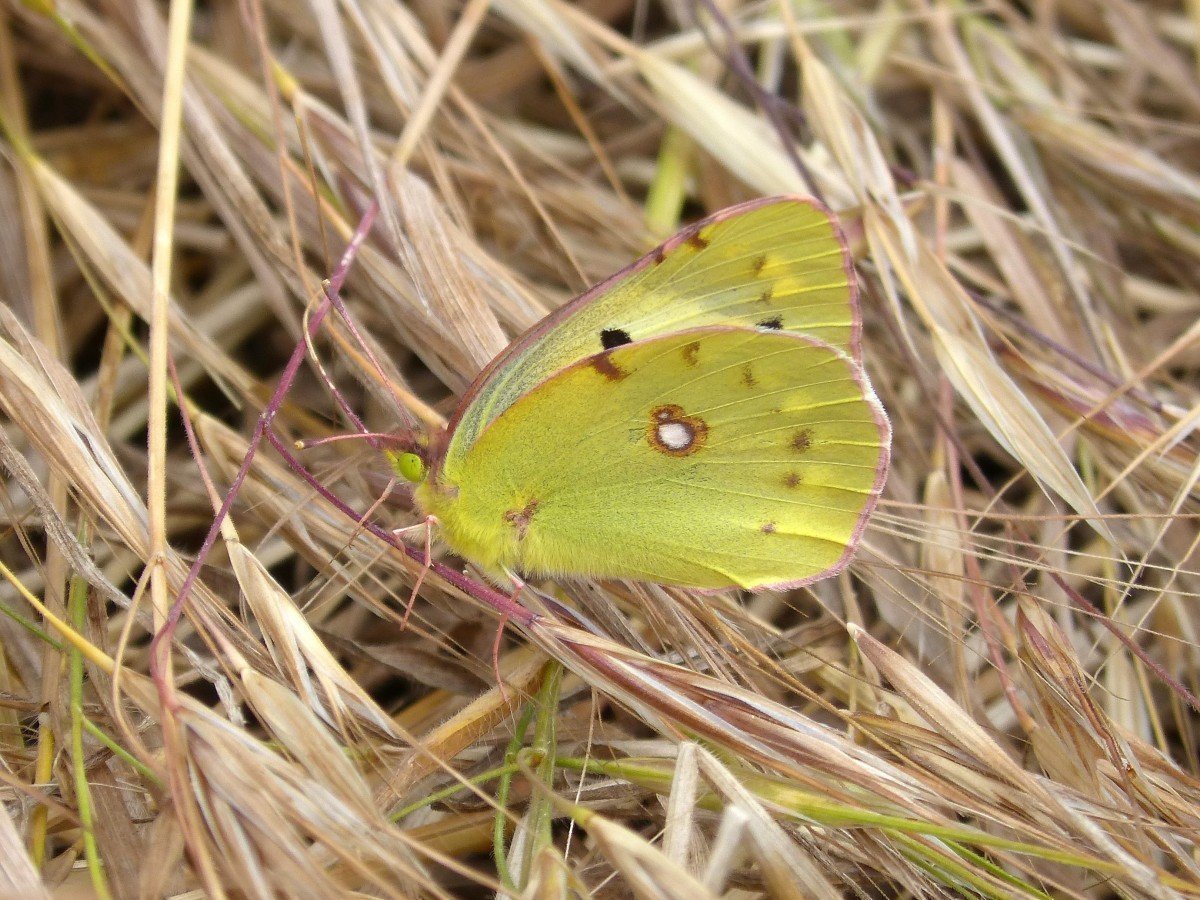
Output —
(881, 471)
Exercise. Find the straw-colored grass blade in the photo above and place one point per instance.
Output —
(18, 877)
(745, 143)
(996, 698)
(994, 398)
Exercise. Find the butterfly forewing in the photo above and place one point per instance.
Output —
(780, 263)
(711, 457)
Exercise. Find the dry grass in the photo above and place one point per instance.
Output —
(998, 699)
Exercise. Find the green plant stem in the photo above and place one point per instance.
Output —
(117, 750)
(83, 794)
(499, 850)
(449, 791)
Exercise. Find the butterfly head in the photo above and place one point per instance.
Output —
(409, 466)
(409, 456)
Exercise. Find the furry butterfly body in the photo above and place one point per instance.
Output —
(701, 418)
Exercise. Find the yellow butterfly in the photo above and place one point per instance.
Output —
(700, 418)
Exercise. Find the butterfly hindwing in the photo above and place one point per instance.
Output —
(713, 457)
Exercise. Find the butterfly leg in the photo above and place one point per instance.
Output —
(518, 586)
(427, 526)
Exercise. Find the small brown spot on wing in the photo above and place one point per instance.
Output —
(520, 518)
(675, 433)
(691, 353)
(602, 363)
(659, 255)
(767, 528)
(748, 378)
(792, 480)
(697, 241)
(801, 440)
(760, 263)
(767, 296)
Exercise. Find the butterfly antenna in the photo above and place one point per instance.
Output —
(332, 297)
(382, 437)
(409, 423)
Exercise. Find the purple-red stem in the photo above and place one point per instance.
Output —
(162, 637)
(498, 601)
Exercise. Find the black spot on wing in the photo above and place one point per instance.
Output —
(775, 323)
(614, 337)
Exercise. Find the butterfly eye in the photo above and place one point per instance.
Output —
(408, 466)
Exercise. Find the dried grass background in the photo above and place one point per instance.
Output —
(998, 699)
